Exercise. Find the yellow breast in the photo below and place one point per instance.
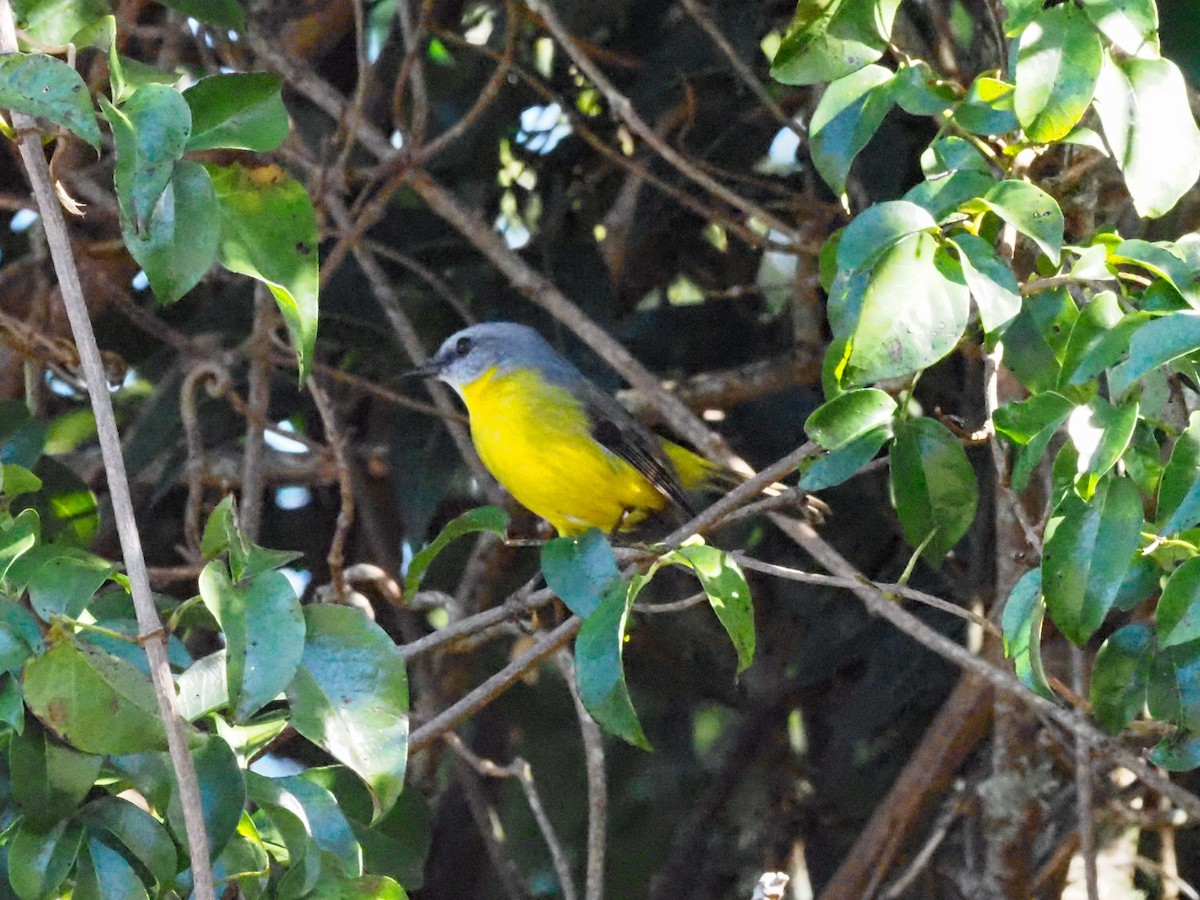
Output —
(535, 438)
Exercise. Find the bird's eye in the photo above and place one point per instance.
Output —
(463, 346)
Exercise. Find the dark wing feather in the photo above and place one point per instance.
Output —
(615, 429)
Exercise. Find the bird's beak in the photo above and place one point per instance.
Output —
(428, 370)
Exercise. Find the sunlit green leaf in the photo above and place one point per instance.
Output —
(1031, 423)
(47, 88)
(987, 107)
(848, 114)
(728, 595)
(483, 518)
(1031, 211)
(839, 465)
(849, 416)
(831, 38)
(579, 569)
(1177, 616)
(933, 486)
(993, 284)
(877, 228)
(239, 110)
(1058, 61)
(1179, 489)
(1131, 25)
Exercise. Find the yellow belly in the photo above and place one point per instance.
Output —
(535, 439)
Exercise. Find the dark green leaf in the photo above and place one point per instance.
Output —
(484, 518)
(239, 110)
(831, 38)
(1160, 262)
(1118, 690)
(834, 468)
(1058, 61)
(93, 701)
(105, 873)
(39, 861)
(264, 634)
(269, 232)
(599, 671)
(1178, 753)
(579, 569)
(1092, 329)
(933, 486)
(947, 155)
(1177, 617)
(244, 860)
(1179, 491)
(41, 86)
(222, 792)
(1159, 341)
(177, 245)
(327, 822)
(876, 229)
(21, 436)
(848, 114)
(18, 539)
(1173, 688)
(728, 595)
(1031, 423)
(1089, 548)
(992, 282)
(920, 93)
(48, 779)
(1143, 107)
(1031, 211)
(303, 856)
(848, 417)
(350, 697)
(143, 835)
(987, 107)
(942, 195)
(1022, 625)
(66, 581)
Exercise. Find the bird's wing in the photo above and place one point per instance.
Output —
(615, 429)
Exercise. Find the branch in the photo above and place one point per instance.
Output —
(593, 751)
(150, 631)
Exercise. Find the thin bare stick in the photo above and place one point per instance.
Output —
(218, 379)
(523, 773)
(1083, 786)
(336, 558)
(150, 631)
(593, 750)
(259, 396)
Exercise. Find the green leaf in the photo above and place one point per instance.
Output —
(57, 21)
(1131, 25)
(1091, 329)
(848, 114)
(1144, 110)
(1022, 626)
(987, 107)
(1160, 262)
(1031, 423)
(177, 245)
(222, 792)
(240, 110)
(244, 861)
(263, 626)
(1161, 340)
(991, 281)
(836, 467)
(920, 92)
(93, 701)
(325, 818)
(902, 314)
(1177, 616)
(1108, 350)
(38, 862)
(483, 518)
(942, 195)
(1178, 753)
(1031, 211)
(17, 480)
(1058, 61)
(16, 642)
(1089, 548)
(849, 416)
(47, 88)
(1179, 490)
(142, 834)
(728, 594)
(104, 872)
(1173, 685)
(350, 697)
(876, 229)
(579, 570)
(222, 13)
(18, 539)
(831, 38)
(599, 671)
(1100, 432)
(1118, 690)
(48, 779)
(932, 486)
(204, 686)
(303, 856)
(947, 155)
(269, 232)
(66, 581)
(151, 132)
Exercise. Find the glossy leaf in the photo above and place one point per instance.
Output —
(1022, 626)
(1131, 25)
(942, 196)
(992, 283)
(847, 116)
(38, 862)
(599, 670)
(93, 701)
(483, 518)
(263, 627)
(238, 110)
(46, 88)
(269, 232)
(222, 792)
(303, 856)
(849, 416)
(48, 779)
(836, 467)
(1091, 331)
(1032, 424)
(204, 686)
(151, 131)
(1058, 61)
(1087, 553)
(1118, 690)
(1173, 686)
(987, 107)
(66, 581)
(1160, 341)
(56, 22)
(325, 818)
(1031, 211)
(177, 244)
(18, 539)
(828, 39)
(1100, 432)
(104, 872)
(142, 834)
(953, 154)
(1179, 490)
(728, 595)
(900, 315)
(1162, 263)
(350, 697)
(933, 487)
(244, 860)
(1178, 753)
(1143, 107)
(579, 569)
(1177, 616)
(876, 229)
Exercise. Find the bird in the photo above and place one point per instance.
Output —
(562, 447)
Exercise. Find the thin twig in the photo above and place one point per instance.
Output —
(593, 753)
(1083, 787)
(150, 630)
(217, 377)
(488, 824)
(336, 557)
(259, 398)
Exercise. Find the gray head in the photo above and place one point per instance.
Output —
(504, 346)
